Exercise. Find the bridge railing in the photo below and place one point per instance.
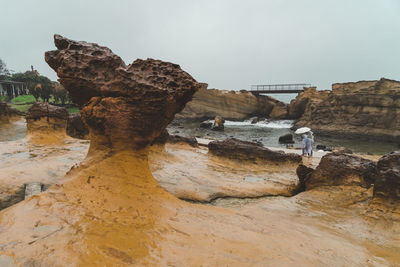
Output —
(279, 87)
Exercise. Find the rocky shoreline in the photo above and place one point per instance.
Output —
(110, 209)
(369, 109)
(364, 109)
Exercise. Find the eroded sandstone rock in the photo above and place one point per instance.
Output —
(387, 184)
(143, 96)
(303, 173)
(365, 108)
(342, 169)
(43, 117)
(308, 99)
(243, 150)
(231, 105)
(76, 128)
(6, 113)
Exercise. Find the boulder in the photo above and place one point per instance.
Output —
(303, 172)
(123, 105)
(286, 139)
(206, 125)
(218, 124)
(242, 150)
(387, 185)
(321, 147)
(342, 169)
(76, 128)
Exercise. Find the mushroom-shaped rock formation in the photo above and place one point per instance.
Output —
(123, 106)
(46, 123)
(110, 206)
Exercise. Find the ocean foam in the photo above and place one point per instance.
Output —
(278, 124)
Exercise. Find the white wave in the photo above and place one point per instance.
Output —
(278, 124)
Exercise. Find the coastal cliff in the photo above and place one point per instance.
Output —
(232, 105)
(365, 108)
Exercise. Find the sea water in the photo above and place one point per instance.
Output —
(268, 132)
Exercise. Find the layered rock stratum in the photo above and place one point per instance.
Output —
(364, 108)
(231, 105)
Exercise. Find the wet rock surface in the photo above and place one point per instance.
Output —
(242, 150)
(387, 185)
(210, 177)
(23, 162)
(76, 128)
(342, 169)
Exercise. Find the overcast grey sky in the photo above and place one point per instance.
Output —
(228, 44)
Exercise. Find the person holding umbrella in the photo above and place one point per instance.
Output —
(307, 146)
(307, 141)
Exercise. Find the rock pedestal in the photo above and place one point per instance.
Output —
(76, 128)
(46, 118)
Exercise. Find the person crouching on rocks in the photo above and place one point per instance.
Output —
(307, 146)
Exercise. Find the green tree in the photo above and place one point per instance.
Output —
(59, 93)
(4, 72)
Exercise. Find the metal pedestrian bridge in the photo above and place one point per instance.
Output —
(279, 88)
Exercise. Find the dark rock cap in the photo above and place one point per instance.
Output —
(126, 105)
(45, 110)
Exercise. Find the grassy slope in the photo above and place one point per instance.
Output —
(24, 102)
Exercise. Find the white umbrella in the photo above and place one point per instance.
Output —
(302, 130)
